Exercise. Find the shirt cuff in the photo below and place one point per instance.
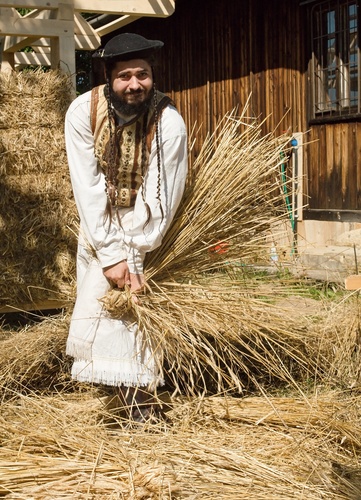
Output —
(135, 261)
(109, 258)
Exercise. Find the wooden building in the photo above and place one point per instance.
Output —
(299, 63)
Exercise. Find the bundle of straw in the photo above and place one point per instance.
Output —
(233, 197)
(37, 249)
(198, 309)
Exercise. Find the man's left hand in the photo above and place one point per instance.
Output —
(137, 283)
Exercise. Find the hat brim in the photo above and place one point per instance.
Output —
(126, 55)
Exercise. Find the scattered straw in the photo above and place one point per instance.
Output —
(276, 448)
(34, 357)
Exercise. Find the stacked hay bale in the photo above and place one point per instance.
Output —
(37, 209)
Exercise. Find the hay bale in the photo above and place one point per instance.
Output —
(37, 209)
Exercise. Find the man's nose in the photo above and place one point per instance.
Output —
(134, 83)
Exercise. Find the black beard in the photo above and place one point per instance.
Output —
(130, 109)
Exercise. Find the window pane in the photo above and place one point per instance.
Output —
(353, 52)
(325, 54)
(331, 68)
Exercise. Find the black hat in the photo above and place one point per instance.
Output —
(128, 46)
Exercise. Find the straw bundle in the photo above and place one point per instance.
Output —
(264, 448)
(37, 248)
(216, 337)
(199, 310)
(233, 197)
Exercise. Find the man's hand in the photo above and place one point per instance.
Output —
(137, 283)
(118, 274)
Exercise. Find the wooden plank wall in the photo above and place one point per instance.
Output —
(217, 53)
(220, 53)
(333, 159)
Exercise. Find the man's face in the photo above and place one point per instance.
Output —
(131, 86)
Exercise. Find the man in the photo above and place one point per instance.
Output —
(127, 153)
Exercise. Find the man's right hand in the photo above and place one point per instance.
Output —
(118, 274)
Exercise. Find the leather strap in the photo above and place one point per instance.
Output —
(94, 108)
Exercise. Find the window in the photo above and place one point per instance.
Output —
(335, 59)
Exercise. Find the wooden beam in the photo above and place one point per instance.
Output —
(82, 42)
(116, 24)
(32, 58)
(41, 43)
(30, 4)
(51, 28)
(16, 43)
(63, 47)
(7, 62)
(58, 24)
(157, 8)
(86, 38)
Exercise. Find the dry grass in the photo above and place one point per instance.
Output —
(233, 196)
(60, 442)
(339, 343)
(220, 338)
(34, 356)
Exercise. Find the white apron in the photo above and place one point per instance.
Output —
(105, 350)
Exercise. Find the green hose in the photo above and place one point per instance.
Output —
(287, 197)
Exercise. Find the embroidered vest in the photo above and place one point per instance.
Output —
(125, 161)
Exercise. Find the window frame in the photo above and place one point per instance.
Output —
(335, 84)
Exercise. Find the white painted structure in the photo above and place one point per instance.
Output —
(54, 29)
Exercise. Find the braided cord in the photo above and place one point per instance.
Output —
(156, 118)
(111, 173)
(143, 165)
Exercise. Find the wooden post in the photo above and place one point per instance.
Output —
(63, 46)
(6, 60)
